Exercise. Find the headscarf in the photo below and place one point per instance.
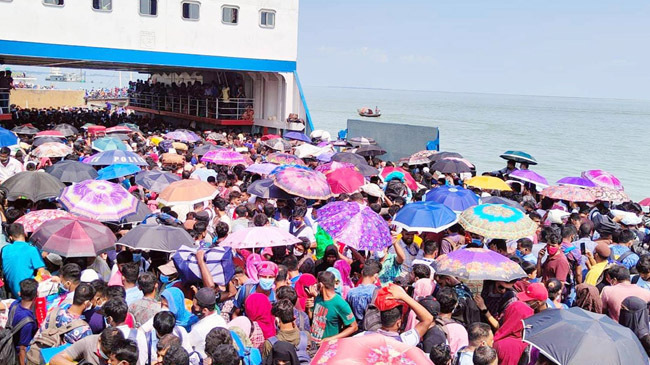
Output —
(588, 298)
(258, 309)
(251, 268)
(507, 339)
(338, 288)
(176, 302)
(423, 288)
(266, 268)
(243, 327)
(322, 264)
(283, 351)
(344, 268)
(305, 280)
(634, 315)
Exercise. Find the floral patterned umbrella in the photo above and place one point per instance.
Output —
(308, 184)
(603, 178)
(183, 135)
(52, 149)
(497, 221)
(333, 166)
(604, 193)
(284, 159)
(224, 157)
(478, 264)
(354, 225)
(570, 193)
(277, 169)
(99, 199)
(369, 349)
(32, 220)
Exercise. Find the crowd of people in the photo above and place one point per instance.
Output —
(283, 305)
(107, 93)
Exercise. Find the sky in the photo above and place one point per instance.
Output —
(574, 48)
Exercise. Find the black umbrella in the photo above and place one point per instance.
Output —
(120, 136)
(451, 165)
(577, 336)
(504, 201)
(357, 141)
(142, 211)
(68, 171)
(356, 160)
(39, 141)
(156, 237)
(66, 129)
(32, 185)
(441, 155)
(25, 129)
(155, 181)
(203, 149)
(264, 188)
(370, 150)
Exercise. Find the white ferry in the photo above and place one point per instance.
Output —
(244, 49)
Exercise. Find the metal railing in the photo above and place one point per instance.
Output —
(4, 101)
(213, 108)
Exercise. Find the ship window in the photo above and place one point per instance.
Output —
(103, 5)
(53, 2)
(267, 18)
(148, 7)
(191, 10)
(230, 14)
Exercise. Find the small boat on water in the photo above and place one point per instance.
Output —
(368, 112)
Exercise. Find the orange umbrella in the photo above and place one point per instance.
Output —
(369, 349)
(187, 192)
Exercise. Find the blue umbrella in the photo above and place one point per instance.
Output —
(519, 156)
(7, 138)
(297, 136)
(455, 198)
(117, 170)
(108, 144)
(425, 217)
(116, 157)
(203, 174)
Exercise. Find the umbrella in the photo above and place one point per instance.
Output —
(341, 143)
(116, 156)
(40, 141)
(297, 136)
(421, 157)
(68, 171)
(87, 125)
(569, 193)
(357, 161)
(306, 150)
(32, 185)
(187, 192)
(577, 181)
(530, 177)
(156, 140)
(119, 129)
(7, 138)
(283, 167)
(277, 144)
(425, 217)
(452, 165)
(52, 149)
(359, 141)
(519, 156)
(25, 129)
(142, 211)
(455, 198)
(117, 170)
(327, 157)
(108, 144)
(99, 199)
(266, 137)
(179, 146)
(120, 136)
(74, 237)
(333, 166)
(156, 237)
(369, 349)
(645, 202)
(49, 133)
(66, 129)
(488, 183)
(603, 178)
(284, 159)
(478, 264)
(354, 225)
(345, 180)
(131, 126)
(96, 129)
(203, 174)
(266, 189)
(441, 155)
(604, 193)
(203, 149)
(577, 336)
(497, 221)
(501, 200)
(259, 237)
(183, 135)
(370, 150)
(308, 184)
(214, 136)
(261, 168)
(406, 177)
(32, 220)
(155, 181)
(224, 157)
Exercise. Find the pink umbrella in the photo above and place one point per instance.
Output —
(409, 180)
(50, 133)
(308, 184)
(74, 237)
(259, 237)
(224, 157)
(32, 220)
(345, 181)
(603, 178)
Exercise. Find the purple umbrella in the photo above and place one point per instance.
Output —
(356, 226)
(297, 136)
(261, 168)
(576, 181)
(325, 157)
(529, 176)
(183, 135)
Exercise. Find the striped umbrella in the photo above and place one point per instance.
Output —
(603, 178)
(308, 184)
(99, 199)
(569, 193)
(497, 221)
(224, 157)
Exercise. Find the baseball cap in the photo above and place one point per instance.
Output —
(206, 298)
(384, 300)
(603, 250)
(534, 291)
(431, 305)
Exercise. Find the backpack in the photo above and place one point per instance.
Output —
(7, 348)
(635, 279)
(50, 337)
(395, 188)
(625, 255)
(301, 349)
(372, 319)
(248, 355)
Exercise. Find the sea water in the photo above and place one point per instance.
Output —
(566, 135)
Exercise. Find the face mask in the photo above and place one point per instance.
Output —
(297, 223)
(137, 257)
(266, 283)
(519, 254)
(552, 250)
(102, 354)
(62, 289)
(338, 290)
(380, 254)
(198, 313)
(297, 253)
(164, 279)
(477, 242)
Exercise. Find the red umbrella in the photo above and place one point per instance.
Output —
(409, 180)
(50, 133)
(345, 180)
(74, 237)
(266, 137)
(645, 202)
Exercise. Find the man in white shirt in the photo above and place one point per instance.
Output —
(9, 166)
(203, 307)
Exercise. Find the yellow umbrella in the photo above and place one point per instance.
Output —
(488, 183)
(179, 146)
(155, 140)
